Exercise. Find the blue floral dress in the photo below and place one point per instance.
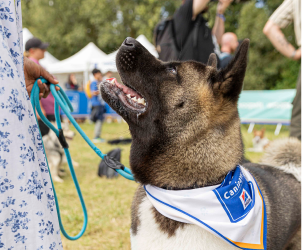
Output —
(28, 217)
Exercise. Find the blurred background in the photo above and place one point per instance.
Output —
(68, 26)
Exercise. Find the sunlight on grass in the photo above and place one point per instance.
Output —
(108, 201)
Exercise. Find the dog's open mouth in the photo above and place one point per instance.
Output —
(126, 94)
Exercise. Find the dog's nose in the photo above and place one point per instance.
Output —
(129, 42)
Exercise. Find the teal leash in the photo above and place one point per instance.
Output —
(61, 100)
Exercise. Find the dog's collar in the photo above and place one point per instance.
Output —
(234, 210)
(194, 186)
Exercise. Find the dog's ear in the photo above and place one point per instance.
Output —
(230, 79)
(212, 61)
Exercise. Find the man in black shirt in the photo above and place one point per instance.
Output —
(198, 43)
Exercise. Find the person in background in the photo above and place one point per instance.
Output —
(186, 17)
(98, 105)
(229, 44)
(72, 83)
(107, 75)
(35, 50)
(289, 11)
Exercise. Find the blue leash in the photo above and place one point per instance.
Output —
(62, 100)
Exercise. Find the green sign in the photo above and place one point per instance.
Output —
(266, 106)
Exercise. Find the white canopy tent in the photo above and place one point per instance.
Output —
(91, 57)
(108, 63)
(48, 59)
(149, 46)
(81, 62)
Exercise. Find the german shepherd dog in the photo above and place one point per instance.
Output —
(185, 126)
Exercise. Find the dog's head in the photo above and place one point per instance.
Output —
(259, 134)
(174, 109)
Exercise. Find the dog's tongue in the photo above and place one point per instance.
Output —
(125, 89)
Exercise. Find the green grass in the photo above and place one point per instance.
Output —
(269, 133)
(108, 201)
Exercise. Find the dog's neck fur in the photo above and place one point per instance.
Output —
(202, 162)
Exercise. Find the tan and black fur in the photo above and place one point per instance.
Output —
(189, 136)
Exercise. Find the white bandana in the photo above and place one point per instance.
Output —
(233, 210)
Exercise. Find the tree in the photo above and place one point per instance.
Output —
(267, 68)
(69, 25)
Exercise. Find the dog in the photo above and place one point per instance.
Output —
(259, 141)
(284, 154)
(55, 153)
(185, 126)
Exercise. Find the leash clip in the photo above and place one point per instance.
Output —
(113, 163)
(62, 139)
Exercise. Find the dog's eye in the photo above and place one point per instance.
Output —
(180, 105)
(172, 70)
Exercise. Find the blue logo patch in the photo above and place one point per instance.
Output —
(236, 195)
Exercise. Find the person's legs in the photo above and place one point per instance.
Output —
(97, 132)
(43, 128)
(98, 129)
(295, 125)
(92, 114)
(52, 118)
(98, 115)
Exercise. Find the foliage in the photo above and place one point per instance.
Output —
(70, 25)
(231, 14)
(267, 68)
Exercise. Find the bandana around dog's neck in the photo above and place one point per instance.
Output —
(234, 210)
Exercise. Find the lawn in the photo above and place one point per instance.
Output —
(108, 201)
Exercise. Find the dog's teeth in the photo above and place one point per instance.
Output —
(134, 99)
(112, 82)
(129, 96)
(141, 100)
